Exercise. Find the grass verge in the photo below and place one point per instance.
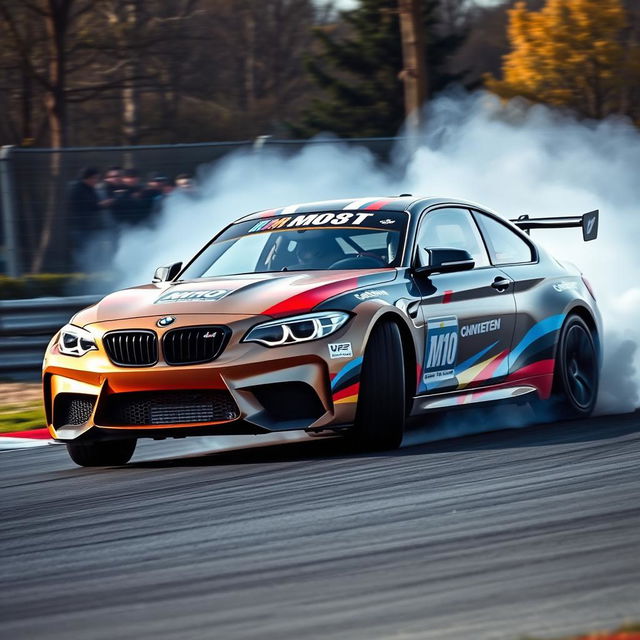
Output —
(22, 417)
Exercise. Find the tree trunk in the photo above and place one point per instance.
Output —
(130, 95)
(414, 60)
(26, 108)
(56, 23)
(249, 25)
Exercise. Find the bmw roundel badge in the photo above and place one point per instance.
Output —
(166, 321)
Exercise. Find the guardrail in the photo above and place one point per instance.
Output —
(26, 326)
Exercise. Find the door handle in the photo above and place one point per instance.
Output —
(501, 284)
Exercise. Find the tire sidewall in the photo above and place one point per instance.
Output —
(380, 415)
(562, 385)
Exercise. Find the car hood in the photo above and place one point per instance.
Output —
(269, 294)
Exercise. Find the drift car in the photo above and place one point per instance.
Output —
(340, 317)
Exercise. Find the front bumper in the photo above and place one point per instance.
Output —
(252, 388)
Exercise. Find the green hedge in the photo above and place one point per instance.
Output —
(53, 284)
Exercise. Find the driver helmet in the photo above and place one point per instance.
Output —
(316, 250)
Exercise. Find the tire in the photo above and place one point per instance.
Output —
(380, 416)
(576, 374)
(107, 453)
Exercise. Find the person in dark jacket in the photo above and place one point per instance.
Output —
(129, 208)
(85, 206)
(158, 187)
(86, 222)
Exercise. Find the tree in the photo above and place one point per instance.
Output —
(358, 67)
(45, 39)
(414, 60)
(259, 76)
(570, 53)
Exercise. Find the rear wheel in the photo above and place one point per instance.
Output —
(576, 373)
(380, 415)
(107, 453)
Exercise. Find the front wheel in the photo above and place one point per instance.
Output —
(107, 453)
(576, 372)
(380, 415)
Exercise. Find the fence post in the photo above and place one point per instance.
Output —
(8, 209)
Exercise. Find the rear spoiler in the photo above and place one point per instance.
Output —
(588, 222)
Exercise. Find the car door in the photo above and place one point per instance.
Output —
(468, 315)
(535, 326)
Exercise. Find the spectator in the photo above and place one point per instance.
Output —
(113, 185)
(185, 182)
(85, 205)
(112, 188)
(186, 185)
(167, 186)
(85, 208)
(158, 188)
(132, 181)
(128, 207)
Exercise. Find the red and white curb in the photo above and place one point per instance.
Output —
(24, 439)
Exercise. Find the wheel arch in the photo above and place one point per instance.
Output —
(408, 349)
(587, 316)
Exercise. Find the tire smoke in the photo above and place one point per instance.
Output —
(513, 158)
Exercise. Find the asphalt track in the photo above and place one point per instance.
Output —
(530, 531)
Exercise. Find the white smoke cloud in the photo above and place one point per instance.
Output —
(509, 158)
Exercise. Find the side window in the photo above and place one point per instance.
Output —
(454, 229)
(505, 246)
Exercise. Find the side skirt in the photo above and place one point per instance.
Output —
(460, 399)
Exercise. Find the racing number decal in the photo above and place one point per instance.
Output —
(441, 350)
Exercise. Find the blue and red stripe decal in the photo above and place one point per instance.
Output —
(345, 385)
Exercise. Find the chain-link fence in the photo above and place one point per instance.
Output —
(34, 187)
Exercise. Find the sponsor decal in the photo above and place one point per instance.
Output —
(442, 349)
(192, 296)
(480, 327)
(387, 221)
(565, 285)
(340, 350)
(345, 385)
(166, 321)
(310, 220)
(372, 293)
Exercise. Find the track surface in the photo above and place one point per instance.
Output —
(531, 531)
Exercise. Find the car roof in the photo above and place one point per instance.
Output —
(404, 202)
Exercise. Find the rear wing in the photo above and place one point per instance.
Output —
(588, 222)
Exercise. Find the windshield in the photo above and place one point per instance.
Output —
(303, 242)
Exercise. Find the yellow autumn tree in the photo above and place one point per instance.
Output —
(570, 53)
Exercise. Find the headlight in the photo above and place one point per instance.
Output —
(309, 326)
(75, 341)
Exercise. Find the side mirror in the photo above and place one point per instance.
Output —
(446, 261)
(169, 272)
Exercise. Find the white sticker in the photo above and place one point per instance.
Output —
(310, 220)
(192, 296)
(340, 350)
(481, 327)
(371, 293)
(442, 349)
